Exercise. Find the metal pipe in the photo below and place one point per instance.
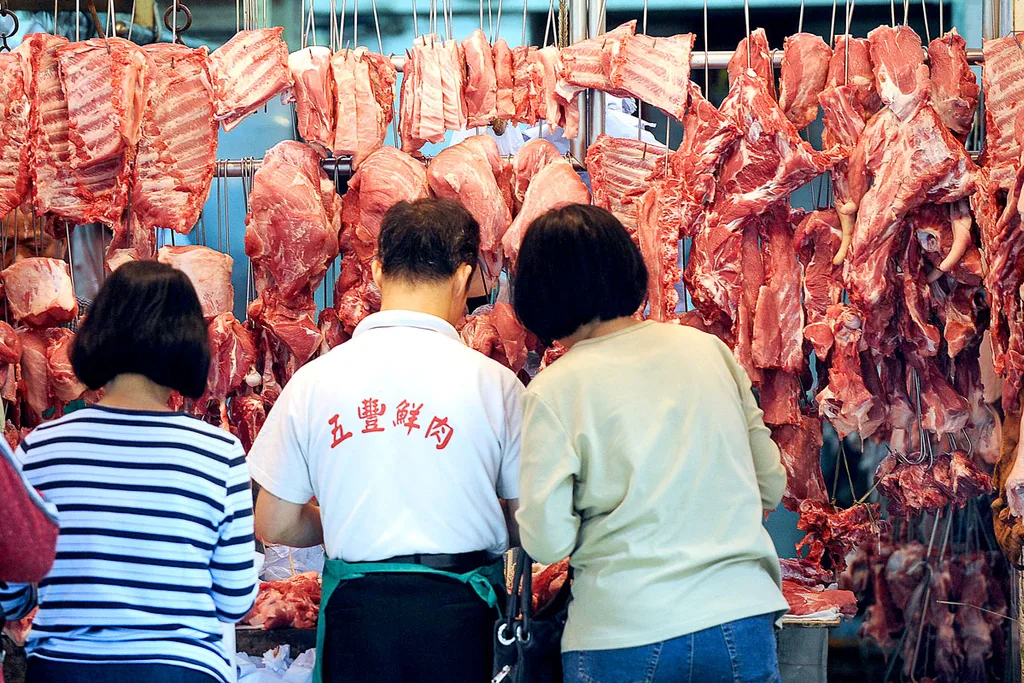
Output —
(596, 99)
(236, 168)
(578, 27)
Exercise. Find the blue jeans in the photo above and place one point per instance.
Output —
(741, 650)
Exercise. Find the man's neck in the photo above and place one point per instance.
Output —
(433, 300)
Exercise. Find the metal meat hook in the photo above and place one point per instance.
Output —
(4, 12)
(176, 31)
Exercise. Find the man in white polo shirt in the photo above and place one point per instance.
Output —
(409, 441)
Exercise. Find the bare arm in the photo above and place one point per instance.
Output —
(282, 523)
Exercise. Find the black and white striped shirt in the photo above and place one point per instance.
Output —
(156, 539)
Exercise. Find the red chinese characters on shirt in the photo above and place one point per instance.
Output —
(338, 433)
(370, 413)
(440, 430)
(406, 415)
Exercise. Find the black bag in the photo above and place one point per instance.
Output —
(527, 646)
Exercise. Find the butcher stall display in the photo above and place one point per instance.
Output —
(883, 316)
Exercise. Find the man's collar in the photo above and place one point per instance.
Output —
(400, 318)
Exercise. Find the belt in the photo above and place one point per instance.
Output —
(459, 563)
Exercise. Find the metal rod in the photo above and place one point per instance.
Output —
(237, 168)
(596, 113)
(578, 27)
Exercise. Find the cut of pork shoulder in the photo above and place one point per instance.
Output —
(588, 63)
(955, 90)
(503, 73)
(860, 75)
(779, 317)
(384, 178)
(105, 84)
(294, 220)
(621, 169)
(15, 150)
(754, 54)
(901, 75)
(800, 446)
(846, 401)
(1004, 90)
(40, 292)
(233, 354)
(314, 96)
(248, 71)
(496, 332)
(464, 173)
(292, 324)
(53, 189)
(554, 186)
(178, 141)
(655, 70)
(481, 82)
(817, 238)
(529, 160)
(805, 62)
(210, 273)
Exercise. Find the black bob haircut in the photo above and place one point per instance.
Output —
(146, 320)
(427, 240)
(577, 265)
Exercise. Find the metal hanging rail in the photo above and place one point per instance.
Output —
(237, 168)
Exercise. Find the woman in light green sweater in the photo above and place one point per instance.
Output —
(646, 461)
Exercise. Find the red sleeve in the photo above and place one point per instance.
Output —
(28, 536)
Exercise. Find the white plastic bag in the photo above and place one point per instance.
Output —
(283, 562)
(301, 670)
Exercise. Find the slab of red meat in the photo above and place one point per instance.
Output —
(805, 65)
(291, 324)
(544, 76)
(779, 317)
(659, 244)
(289, 603)
(10, 362)
(943, 232)
(655, 70)
(314, 97)
(833, 534)
(751, 281)
(554, 186)
(860, 75)
(52, 186)
(522, 85)
(105, 84)
(248, 71)
(177, 147)
(364, 84)
(503, 74)
(247, 414)
(34, 388)
(481, 82)
(210, 273)
(1004, 90)
(882, 619)
(464, 173)
(846, 402)
(920, 338)
(232, 360)
(804, 600)
(768, 164)
(294, 220)
(779, 393)
(817, 237)
(588, 63)
(426, 91)
(529, 160)
(40, 292)
(331, 330)
(954, 88)
(985, 431)
(920, 161)
(943, 410)
(621, 168)
(15, 151)
(453, 85)
(65, 385)
(496, 332)
(910, 489)
(385, 178)
(901, 75)
(975, 632)
(800, 446)
(804, 573)
(753, 53)
(408, 142)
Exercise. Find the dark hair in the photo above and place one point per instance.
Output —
(145, 320)
(577, 264)
(427, 239)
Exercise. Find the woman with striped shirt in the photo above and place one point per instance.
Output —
(156, 534)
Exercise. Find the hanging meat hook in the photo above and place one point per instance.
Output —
(4, 35)
(170, 21)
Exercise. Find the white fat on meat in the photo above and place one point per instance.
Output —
(313, 94)
(248, 71)
(15, 150)
(52, 186)
(1004, 91)
(209, 271)
(587, 63)
(655, 70)
(805, 62)
(900, 72)
(40, 292)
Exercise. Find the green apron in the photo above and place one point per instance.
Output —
(485, 581)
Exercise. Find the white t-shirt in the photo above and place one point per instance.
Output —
(407, 438)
